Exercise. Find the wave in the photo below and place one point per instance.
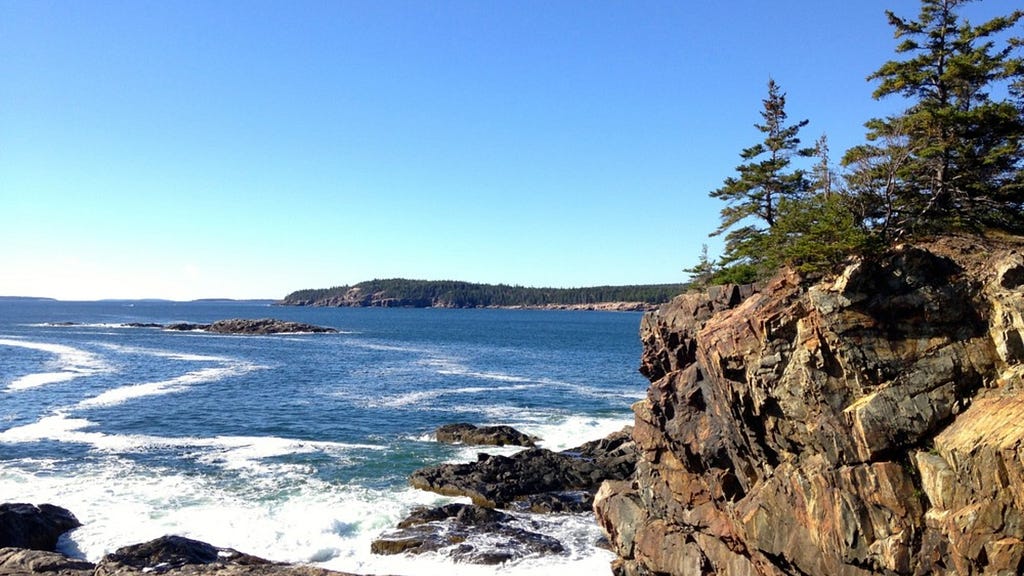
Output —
(306, 520)
(230, 452)
(71, 363)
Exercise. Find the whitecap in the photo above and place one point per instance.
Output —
(71, 363)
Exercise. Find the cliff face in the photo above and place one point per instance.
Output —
(872, 424)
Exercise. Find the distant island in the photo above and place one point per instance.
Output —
(400, 292)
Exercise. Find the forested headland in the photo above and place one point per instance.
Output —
(400, 292)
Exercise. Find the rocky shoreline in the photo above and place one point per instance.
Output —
(509, 494)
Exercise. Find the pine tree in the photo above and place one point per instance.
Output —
(966, 147)
(763, 181)
(822, 175)
(702, 272)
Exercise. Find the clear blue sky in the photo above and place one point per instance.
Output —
(246, 149)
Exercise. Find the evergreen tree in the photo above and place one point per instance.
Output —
(879, 181)
(702, 272)
(763, 180)
(964, 148)
(822, 176)
(814, 234)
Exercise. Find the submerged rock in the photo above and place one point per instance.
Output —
(466, 533)
(868, 424)
(34, 527)
(464, 433)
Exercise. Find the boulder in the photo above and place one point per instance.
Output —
(178, 555)
(466, 533)
(498, 481)
(34, 527)
(464, 433)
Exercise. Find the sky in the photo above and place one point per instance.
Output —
(246, 149)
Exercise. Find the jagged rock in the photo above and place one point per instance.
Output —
(458, 530)
(34, 527)
(498, 481)
(463, 433)
(868, 424)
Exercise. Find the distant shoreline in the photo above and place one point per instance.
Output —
(405, 293)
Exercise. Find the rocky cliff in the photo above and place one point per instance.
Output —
(872, 423)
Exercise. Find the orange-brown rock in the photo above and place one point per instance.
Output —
(871, 423)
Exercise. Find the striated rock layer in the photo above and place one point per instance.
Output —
(869, 424)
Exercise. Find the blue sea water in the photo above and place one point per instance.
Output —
(292, 447)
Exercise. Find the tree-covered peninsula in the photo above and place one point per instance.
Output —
(400, 292)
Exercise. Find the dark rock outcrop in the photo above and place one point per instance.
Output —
(166, 555)
(464, 433)
(498, 481)
(261, 326)
(169, 552)
(34, 527)
(869, 424)
(457, 531)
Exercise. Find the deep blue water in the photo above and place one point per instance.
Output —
(294, 447)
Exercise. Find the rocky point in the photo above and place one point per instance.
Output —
(871, 423)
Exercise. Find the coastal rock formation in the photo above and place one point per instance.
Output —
(464, 433)
(533, 481)
(868, 424)
(450, 530)
(34, 527)
(551, 479)
(261, 326)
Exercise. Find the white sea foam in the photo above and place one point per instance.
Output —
(125, 393)
(571, 431)
(70, 363)
(228, 452)
(120, 503)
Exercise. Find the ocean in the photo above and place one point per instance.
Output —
(296, 448)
